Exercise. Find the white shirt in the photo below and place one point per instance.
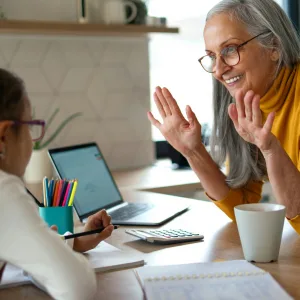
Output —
(27, 242)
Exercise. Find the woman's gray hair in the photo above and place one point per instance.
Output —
(246, 162)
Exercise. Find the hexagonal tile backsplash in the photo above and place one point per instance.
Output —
(105, 78)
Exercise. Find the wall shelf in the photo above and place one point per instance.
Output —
(66, 28)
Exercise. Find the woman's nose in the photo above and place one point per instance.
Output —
(220, 68)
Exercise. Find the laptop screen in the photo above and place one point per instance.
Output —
(96, 188)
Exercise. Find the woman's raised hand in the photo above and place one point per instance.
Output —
(247, 119)
(184, 135)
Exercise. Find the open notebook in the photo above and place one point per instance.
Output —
(235, 279)
(102, 258)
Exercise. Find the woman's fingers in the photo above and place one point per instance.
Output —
(172, 103)
(233, 114)
(161, 98)
(256, 113)
(153, 121)
(269, 122)
(191, 116)
(239, 100)
(248, 105)
(159, 105)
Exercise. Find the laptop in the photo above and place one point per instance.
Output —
(97, 189)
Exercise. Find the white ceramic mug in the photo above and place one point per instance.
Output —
(260, 228)
(114, 11)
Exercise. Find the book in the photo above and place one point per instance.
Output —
(104, 257)
(237, 279)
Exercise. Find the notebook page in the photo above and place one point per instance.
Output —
(234, 288)
(237, 279)
(234, 266)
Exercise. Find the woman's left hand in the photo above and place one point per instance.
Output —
(88, 242)
(247, 120)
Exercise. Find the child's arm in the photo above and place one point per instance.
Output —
(28, 243)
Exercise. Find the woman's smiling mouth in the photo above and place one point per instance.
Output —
(232, 80)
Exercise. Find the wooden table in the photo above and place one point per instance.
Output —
(221, 242)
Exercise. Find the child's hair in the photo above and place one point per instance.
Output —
(12, 93)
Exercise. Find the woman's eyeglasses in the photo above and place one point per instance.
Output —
(230, 56)
(37, 128)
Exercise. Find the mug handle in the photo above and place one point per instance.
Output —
(133, 10)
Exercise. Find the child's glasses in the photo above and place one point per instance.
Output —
(37, 128)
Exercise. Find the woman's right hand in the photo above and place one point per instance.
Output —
(184, 135)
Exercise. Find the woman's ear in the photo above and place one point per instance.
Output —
(274, 51)
(274, 55)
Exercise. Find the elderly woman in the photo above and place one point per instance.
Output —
(253, 54)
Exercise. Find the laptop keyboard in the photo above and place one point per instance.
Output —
(129, 211)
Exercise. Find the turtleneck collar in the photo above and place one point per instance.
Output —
(279, 91)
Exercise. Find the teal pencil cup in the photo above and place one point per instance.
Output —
(61, 216)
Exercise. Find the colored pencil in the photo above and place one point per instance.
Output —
(73, 193)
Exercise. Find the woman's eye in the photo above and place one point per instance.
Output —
(229, 50)
(212, 57)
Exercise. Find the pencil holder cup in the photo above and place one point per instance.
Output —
(61, 216)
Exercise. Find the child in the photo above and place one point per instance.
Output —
(25, 240)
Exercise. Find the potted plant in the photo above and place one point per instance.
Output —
(39, 165)
(2, 15)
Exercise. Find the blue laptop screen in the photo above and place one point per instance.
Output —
(96, 188)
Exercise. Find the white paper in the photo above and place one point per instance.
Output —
(106, 257)
(243, 286)
(102, 258)
(13, 276)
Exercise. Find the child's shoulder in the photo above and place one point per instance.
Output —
(12, 190)
(10, 182)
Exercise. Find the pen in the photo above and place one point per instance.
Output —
(98, 230)
(36, 200)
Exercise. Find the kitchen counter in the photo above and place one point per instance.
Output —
(160, 178)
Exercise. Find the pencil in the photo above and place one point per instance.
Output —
(50, 192)
(46, 186)
(63, 191)
(74, 187)
(56, 184)
(68, 193)
(59, 187)
(98, 230)
(44, 192)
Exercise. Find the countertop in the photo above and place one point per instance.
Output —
(160, 177)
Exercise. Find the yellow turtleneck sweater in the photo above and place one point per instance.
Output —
(284, 98)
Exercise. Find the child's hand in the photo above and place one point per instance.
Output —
(88, 242)
(54, 228)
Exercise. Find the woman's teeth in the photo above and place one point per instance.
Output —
(233, 79)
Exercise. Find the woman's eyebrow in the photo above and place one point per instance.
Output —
(232, 38)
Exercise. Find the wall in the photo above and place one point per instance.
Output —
(52, 10)
(105, 78)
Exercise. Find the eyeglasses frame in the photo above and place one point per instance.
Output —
(33, 122)
(237, 50)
